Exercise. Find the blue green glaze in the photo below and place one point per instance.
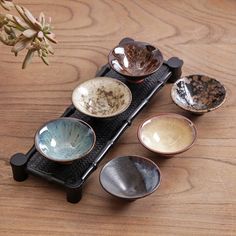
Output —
(65, 139)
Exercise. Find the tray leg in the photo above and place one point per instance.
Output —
(175, 65)
(18, 164)
(73, 195)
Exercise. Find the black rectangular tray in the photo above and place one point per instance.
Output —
(108, 130)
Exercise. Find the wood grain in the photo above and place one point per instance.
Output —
(198, 191)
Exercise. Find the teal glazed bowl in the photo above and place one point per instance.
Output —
(65, 139)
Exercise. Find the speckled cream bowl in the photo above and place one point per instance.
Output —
(198, 94)
(102, 97)
(65, 139)
(167, 134)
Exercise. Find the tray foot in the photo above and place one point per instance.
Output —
(175, 64)
(18, 164)
(74, 195)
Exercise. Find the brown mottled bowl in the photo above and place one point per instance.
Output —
(198, 94)
(130, 177)
(102, 97)
(135, 60)
(167, 134)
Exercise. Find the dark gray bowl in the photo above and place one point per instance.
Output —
(130, 177)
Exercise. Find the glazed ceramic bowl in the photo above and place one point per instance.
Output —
(102, 97)
(130, 177)
(135, 60)
(167, 134)
(65, 139)
(198, 94)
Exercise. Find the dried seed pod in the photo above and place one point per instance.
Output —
(26, 32)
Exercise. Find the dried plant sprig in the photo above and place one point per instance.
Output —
(26, 32)
(7, 4)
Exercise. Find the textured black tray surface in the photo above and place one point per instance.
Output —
(105, 129)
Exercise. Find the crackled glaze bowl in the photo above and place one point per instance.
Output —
(135, 60)
(130, 177)
(198, 94)
(102, 97)
(167, 134)
(65, 139)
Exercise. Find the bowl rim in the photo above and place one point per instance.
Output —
(137, 196)
(135, 77)
(192, 109)
(190, 123)
(129, 93)
(61, 160)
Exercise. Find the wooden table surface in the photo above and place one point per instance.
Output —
(197, 195)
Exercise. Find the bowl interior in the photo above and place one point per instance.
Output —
(135, 59)
(102, 97)
(130, 177)
(167, 134)
(65, 139)
(198, 93)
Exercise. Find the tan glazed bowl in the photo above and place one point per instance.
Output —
(167, 134)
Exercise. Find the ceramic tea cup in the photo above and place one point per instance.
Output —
(130, 177)
(65, 139)
(102, 97)
(167, 134)
(198, 94)
(135, 60)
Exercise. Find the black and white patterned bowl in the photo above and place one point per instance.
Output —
(198, 94)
